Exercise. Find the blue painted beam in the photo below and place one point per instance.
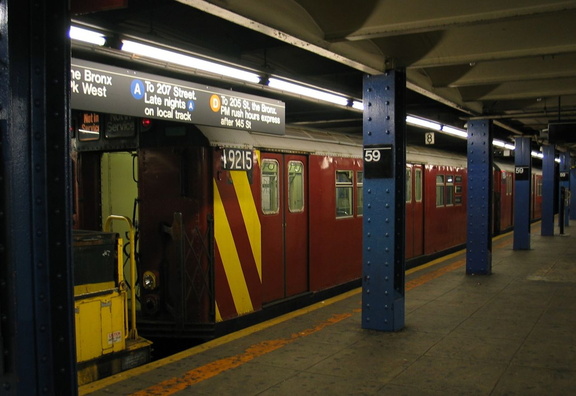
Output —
(479, 213)
(384, 199)
(36, 288)
(572, 193)
(548, 188)
(522, 189)
(564, 183)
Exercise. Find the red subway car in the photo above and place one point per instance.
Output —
(234, 227)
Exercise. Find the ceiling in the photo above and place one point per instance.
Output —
(513, 61)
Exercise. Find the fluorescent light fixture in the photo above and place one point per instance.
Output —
(188, 61)
(92, 37)
(86, 36)
(536, 154)
(298, 89)
(421, 122)
(461, 133)
(504, 145)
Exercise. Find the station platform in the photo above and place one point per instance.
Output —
(509, 333)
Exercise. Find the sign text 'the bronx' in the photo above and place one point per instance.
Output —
(109, 89)
(92, 83)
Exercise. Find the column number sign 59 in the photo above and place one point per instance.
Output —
(378, 162)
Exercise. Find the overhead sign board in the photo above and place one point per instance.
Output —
(562, 132)
(108, 89)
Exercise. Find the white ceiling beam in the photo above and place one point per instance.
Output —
(389, 19)
(520, 90)
(485, 73)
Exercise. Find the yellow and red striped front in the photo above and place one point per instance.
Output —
(238, 247)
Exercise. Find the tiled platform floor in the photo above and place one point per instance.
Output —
(509, 333)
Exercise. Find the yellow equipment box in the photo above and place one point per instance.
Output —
(104, 343)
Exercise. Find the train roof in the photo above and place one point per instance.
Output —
(295, 140)
(320, 142)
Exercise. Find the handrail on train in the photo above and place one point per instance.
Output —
(133, 334)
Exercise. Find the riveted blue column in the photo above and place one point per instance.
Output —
(564, 185)
(38, 355)
(479, 214)
(572, 192)
(548, 190)
(523, 167)
(384, 192)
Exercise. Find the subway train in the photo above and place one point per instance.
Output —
(233, 227)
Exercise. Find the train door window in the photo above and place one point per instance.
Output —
(408, 184)
(270, 187)
(359, 193)
(449, 190)
(344, 193)
(509, 184)
(295, 186)
(440, 190)
(418, 184)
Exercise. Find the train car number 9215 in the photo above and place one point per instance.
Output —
(237, 159)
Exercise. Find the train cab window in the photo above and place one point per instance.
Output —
(408, 184)
(270, 188)
(89, 126)
(344, 184)
(85, 135)
(359, 193)
(449, 190)
(418, 184)
(440, 190)
(295, 186)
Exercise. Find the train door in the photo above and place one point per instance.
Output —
(118, 188)
(119, 192)
(414, 211)
(284, 219)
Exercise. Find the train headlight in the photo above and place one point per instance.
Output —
(150, 280)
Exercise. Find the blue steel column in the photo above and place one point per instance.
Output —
(522, 199)
(384, 200)
(548, 190)
(572, 193)
(565, 182)
(479, 214)
(36, 301)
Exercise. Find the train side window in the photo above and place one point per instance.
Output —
(449, 190)
(344, 193)
(408, 184)
(418, 185)
(359, 193)
(440, 190)
(295, 186)
(270, 188)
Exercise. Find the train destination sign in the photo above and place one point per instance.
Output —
(108, 89)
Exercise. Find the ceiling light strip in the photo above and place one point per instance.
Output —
(96, 38)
